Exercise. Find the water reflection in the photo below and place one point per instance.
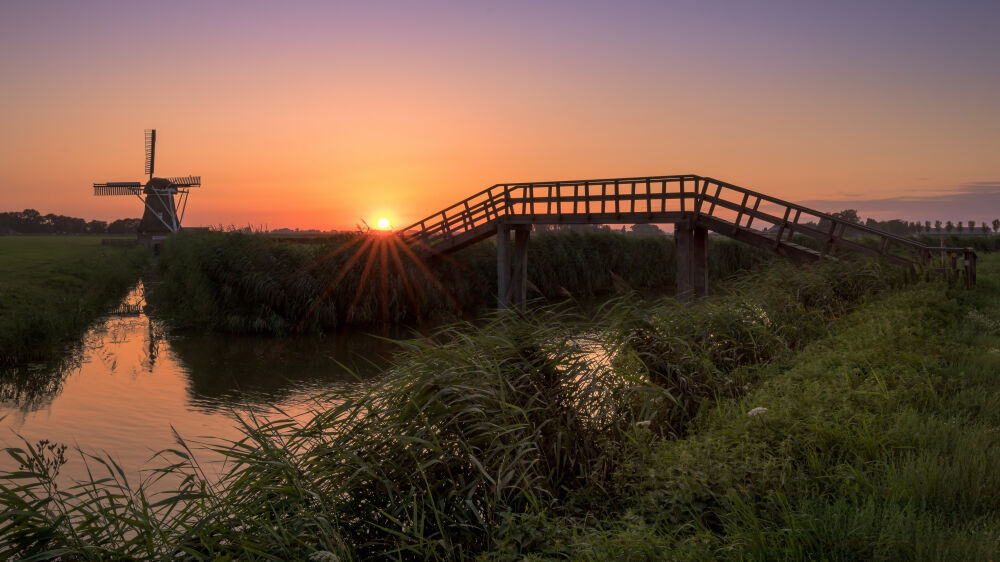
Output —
(223, 369)
(127, 384)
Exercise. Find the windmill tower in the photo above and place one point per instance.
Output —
(161, 197)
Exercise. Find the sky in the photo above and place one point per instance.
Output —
(326, 114)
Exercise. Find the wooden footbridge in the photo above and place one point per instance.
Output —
(694, 204)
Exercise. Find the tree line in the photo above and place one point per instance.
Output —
(901, 227)
(30, 221)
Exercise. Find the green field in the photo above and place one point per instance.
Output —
(52, 288)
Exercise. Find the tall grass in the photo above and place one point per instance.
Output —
(236, 282)
(470, 432)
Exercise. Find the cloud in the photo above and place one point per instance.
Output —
(978, 201)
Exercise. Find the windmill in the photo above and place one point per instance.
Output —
(161, 197)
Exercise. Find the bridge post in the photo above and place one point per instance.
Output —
(512, 265)
(519, 268)
(503, 264)
(692, 261)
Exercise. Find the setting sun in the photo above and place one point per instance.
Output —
(382, 223)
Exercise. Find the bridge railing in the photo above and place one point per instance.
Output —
(473, 212)
(667, 199)
(746, 208)
(619, 197)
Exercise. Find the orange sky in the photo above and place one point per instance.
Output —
(317, 116)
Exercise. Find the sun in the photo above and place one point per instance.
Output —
(382, 223)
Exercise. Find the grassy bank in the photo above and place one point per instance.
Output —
(52, 287)
(879, 442)
(481, 441)
(242, 283)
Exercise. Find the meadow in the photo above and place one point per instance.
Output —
(53, 288)
(838, 411)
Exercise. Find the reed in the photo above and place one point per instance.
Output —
(235, 282)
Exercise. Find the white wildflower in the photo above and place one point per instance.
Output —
(643, 423)
(758, 411)
(323, 556)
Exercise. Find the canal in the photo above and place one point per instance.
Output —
(129, 384)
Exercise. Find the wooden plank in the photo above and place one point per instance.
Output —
(830, 240)
(795, 224)
(715, 199)
(649, 198)
(781, 229)
(638, 217)
(743, 205)
(751, 215)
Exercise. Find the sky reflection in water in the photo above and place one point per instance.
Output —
(127, 383)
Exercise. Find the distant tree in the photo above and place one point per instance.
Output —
(927, 226)
(646, 230)
(850, 215)
(996, 225)
(123, 226)
(97, 227)
(949, 226)
(972, 226)
(937, 226)
(959, 226)
(985, 227)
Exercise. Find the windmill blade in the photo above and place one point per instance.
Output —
(186, 181)
(118, 188)
(150, 151)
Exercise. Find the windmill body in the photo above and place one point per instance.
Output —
(164, 199)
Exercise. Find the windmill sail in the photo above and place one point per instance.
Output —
(150, 151)
(118, 188)
(185, 181)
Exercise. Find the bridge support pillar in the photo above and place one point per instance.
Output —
(692, 261)
(512, 265)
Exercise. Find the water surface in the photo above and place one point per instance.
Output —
(128, 385)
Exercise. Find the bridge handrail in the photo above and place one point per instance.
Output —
(496, 200)
(833, 219)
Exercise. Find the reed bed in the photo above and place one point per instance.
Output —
(248, 283)
(469, 432)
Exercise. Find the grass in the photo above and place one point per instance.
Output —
(520, 437)
(233, 282)
(54, 286)
(880, 442)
